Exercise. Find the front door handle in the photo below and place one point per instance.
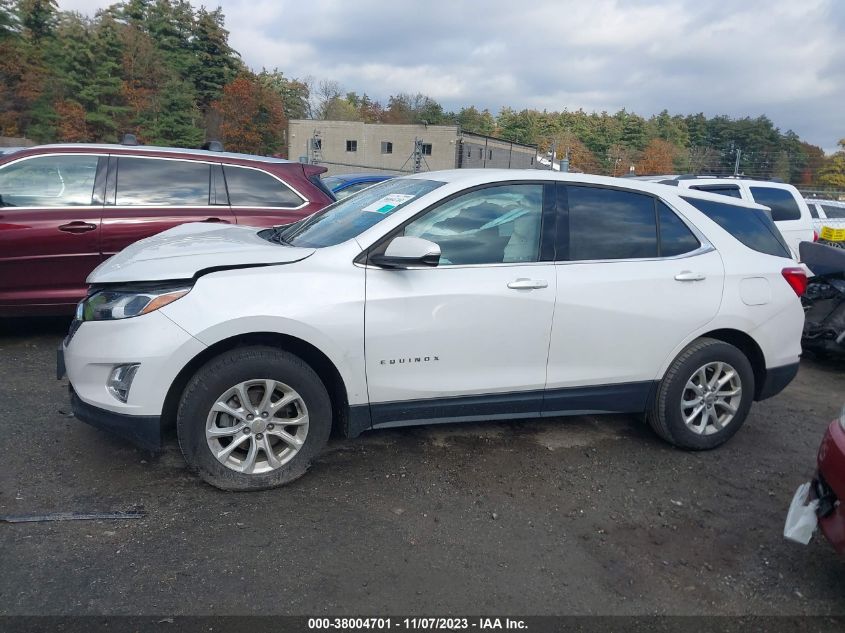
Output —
(77, 227)
(218, 220)
(686, 275)
(528, 284)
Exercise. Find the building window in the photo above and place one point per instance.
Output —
(386, 147)
(489, 154)
(351, 146)
(532, 160)
(469, 152)
(426, 149)
(316, 143)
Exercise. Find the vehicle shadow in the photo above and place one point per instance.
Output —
(21, 327)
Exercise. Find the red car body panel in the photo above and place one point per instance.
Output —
(46, 253)
(831, 462)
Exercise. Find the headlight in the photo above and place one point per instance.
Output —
(123, 303)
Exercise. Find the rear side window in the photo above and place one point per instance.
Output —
(255, 188)
(832, 211)
(160, 182)
(49, 181)
(780, 201)
(610, 224)
(722, 190)
(752, 227)
(675, 236)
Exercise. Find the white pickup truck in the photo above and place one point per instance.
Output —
(828, 214)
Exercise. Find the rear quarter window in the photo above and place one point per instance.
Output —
(832, 211)
(752, 227)
(780, 201)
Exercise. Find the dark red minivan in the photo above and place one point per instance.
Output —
(66, 208)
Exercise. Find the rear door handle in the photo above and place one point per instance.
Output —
(528, 284)
(686, 275)
(77, 227)
(218, 220)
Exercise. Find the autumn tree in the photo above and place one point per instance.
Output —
(657, 158)
(252, 116)
(832, 172)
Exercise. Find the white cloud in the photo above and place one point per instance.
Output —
(782, 58)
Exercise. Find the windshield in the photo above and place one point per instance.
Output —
(347, 218)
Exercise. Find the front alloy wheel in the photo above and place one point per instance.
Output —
(253, 418)
(257, 426)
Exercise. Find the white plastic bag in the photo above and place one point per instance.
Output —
(801, 520)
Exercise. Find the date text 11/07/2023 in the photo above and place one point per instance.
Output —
(417, 623)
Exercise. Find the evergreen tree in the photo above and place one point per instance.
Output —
(217, 63)
(38, 17)
(178, 119)
(102, 96)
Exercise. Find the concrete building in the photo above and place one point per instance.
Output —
(353, 146)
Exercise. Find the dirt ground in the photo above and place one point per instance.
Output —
(585, 515)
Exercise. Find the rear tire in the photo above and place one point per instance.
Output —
(704, 396)
(253, 418)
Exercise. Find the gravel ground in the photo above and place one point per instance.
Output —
(586, 515)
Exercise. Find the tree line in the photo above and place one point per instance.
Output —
(164, 71)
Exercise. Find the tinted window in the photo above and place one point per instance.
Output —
(675, 236)
(493, 225)
(752, 227)
(833, 211)
(724, 190)
(159, 182)
(49, 181)
(347, 218)
(780, 201)
(812, 207)
(254, 188)
(610, 224)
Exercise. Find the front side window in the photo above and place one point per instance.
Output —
(351, 216)
(494, 225)
(752, 227)
(49, 181)
(161, 182)
(780, 201)
(610, 224)
(255, 188)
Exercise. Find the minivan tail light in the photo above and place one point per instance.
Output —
(815, 236)
(796, 278)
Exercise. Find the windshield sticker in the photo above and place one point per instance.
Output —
(387, 203)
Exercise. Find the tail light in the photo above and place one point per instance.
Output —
(796, 278)
(815, 236)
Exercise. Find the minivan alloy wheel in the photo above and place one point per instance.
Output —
(257, 426)
(711, 398)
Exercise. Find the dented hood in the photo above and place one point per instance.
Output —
(188, 249)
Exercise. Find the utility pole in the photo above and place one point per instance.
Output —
(736, 164)
(554, 155)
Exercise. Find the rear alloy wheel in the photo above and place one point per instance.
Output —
(704, 396)
(253, 418)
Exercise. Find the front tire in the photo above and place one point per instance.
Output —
(253, 418)
(704, 396)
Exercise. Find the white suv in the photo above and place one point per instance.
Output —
(439, 297)
(788, 208)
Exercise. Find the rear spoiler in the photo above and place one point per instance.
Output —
(313, 170)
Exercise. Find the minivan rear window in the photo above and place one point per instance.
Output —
(780, 201)
(752, 227)
(832, 211)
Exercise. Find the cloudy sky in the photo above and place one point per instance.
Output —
(782, 58)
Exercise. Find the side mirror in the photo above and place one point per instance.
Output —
(406, 252)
